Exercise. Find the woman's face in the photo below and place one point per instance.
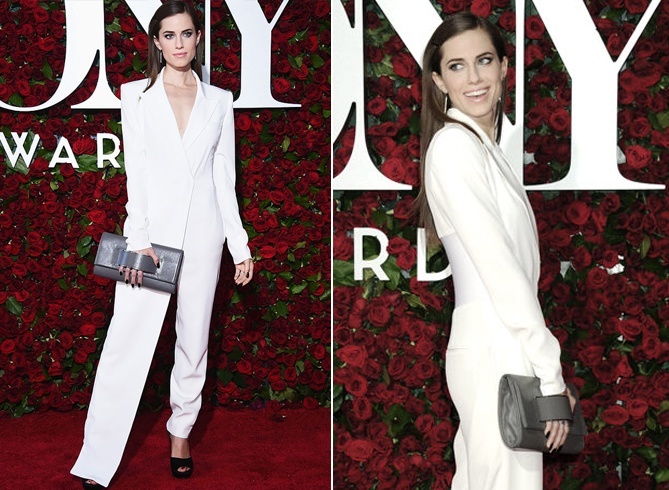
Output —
(472, 75)
(178, 41)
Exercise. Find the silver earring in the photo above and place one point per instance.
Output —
(160, 56)
(445, 102)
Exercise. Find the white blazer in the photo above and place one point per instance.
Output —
(473, 192)
(174, 182)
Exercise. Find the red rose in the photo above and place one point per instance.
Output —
(630, 328)
(244, 366)
(353, 355)
(404, 65)
(591, 355)
(559, 120)
(359, 449)
(376, 106)
(395, 169)
(637, 156)
(482, 8)
(534, 27)
(7, 346)
(267, 252)
(280, 85)
(356, 385)
(615, 415)
(578, 213)
(378, 313)
(637, 408)
(362, 408)
(636, 6)
(507, 20)
(597, 278)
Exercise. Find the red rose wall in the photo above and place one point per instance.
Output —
(270, 341)
(604, 285)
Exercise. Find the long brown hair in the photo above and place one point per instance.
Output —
(168, 9)
(433, 113)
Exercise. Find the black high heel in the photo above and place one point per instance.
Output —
(176, 463)
(90, 486)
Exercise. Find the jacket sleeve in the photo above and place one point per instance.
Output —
(460, 191)
(136, 171)
(224, 180)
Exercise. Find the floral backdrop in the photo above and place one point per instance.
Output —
(270, 341)
(604, 285)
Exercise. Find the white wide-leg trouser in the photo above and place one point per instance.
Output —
(126, 357)
(480, 351)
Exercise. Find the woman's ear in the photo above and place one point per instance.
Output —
(439, 82)
(156, 42)
(505, 65)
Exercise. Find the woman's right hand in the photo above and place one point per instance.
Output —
(557, 430)
(134, 276)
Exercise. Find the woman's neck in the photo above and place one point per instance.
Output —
(179, 78)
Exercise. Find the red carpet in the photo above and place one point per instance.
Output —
(232, 450)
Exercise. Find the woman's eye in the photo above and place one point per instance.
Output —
(455, 66)
(169, 36)
(486, 60)
(188, 34)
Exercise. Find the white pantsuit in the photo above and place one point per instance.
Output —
(181, 193)
(485, 222)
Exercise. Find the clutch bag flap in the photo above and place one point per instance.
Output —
(112, 253)
(520, 422)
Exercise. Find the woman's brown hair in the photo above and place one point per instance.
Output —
(168, 9)
(433, 112)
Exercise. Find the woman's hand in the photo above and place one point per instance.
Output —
(557, 430)
(244, 272)
(134, 276)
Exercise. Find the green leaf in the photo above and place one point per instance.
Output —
(14, 307)
(645, 246)
(137, 64)
(84, 245)
(317, 61)
(343, 274)
(337, 397)
(280, 309)
(285, 144)
(647, 453)
(225, 376)
(235, 355)
(663, 119)
(238, 379)
(16, 100)
(662, 475)
(82, 269)
(298, 288)
(47, 71)
(88, 163)
(396, 419)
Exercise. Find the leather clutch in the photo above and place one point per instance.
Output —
(523, 413)
(112, 254)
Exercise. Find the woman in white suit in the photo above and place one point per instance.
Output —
(474, 203)
(179, 150)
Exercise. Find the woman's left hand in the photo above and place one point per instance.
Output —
(557, 430)
(244, 272)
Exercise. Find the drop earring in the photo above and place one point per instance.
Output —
(160, 56)
(445, 102)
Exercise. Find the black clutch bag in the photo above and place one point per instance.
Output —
(523, 413)
(112, 254)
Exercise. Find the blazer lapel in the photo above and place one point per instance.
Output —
(498, 159)
(159, 111)
(203, 108)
